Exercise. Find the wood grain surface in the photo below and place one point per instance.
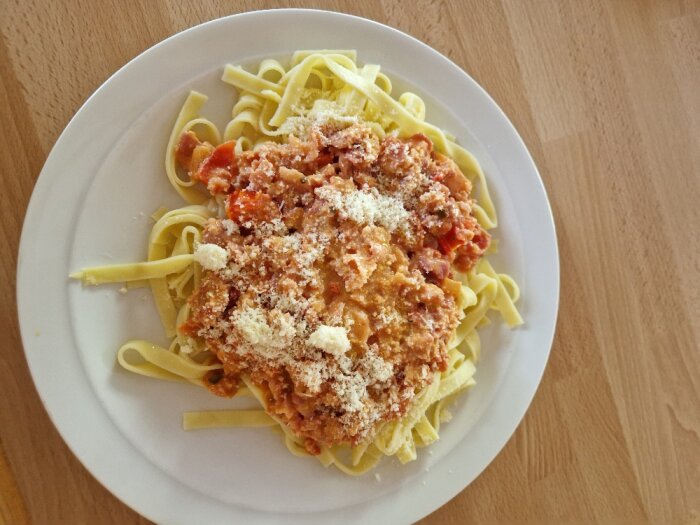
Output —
(606, 94)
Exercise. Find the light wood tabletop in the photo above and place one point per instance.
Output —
(606, 95)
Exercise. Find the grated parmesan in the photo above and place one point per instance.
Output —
(229, 226)
(263, 337)
(331, 339)
(211, 256)
(312, 375)
(366, 206)
(351, 389)
(376, 368)
(323, 112)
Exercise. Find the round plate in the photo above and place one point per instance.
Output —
(91, 205)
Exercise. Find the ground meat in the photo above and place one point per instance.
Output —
(432, 263)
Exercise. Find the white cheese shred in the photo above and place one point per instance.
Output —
(331, 339)
(211, 256)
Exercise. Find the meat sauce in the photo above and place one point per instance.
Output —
(341, 229)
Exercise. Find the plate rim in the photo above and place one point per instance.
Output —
(41, 187)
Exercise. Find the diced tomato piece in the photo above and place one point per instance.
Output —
(244, 205)
(185, 146)
(189, 328)
(452, 240)
(324, 158)
(420, 137)
(482, 239)
(221, 163)
(433, 263)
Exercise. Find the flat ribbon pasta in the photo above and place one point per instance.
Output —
(272, 105)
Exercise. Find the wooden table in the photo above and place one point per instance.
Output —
(606, 94)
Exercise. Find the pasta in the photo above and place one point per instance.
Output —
(275, 105)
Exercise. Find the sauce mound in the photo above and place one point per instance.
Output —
(328, 282)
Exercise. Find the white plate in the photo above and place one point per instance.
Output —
(91, 205)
